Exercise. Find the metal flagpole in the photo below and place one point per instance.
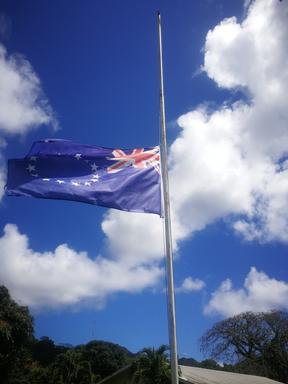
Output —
(167, 224)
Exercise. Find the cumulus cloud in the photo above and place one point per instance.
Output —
(235, 156)
(2, 169)
(22, 103)
(141, 239)
(259, 294)
(2, 180)
(189, 285)
(65, 277)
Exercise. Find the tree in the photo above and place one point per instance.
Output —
(256, 342)
(152, 367)
(188, 361)
(105, 358)
(16, 332)
(44, 351)
(71, 368)
(210, 364)
(66, 367)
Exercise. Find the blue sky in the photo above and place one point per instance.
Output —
(89, 72)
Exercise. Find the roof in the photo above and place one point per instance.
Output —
(195, 375)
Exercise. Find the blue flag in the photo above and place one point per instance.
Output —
(128, 180)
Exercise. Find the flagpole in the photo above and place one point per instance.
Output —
(167, 224)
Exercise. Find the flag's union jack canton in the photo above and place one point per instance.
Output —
(128, 180)
(138, 158)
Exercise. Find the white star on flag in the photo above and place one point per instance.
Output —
(94, 167)
(95, 178)
(31, 168)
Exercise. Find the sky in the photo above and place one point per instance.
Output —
(89, 72)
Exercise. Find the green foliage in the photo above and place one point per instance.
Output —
(66, 368)
(44, 351)
(152, 367)
(105, 358)
(16, 332)
(28, 372)
(189, 362)
(257, 343)
(89, 363)
(207, 363)
(210, 364)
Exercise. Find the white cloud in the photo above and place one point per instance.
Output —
(260, 293)
(134, 237)
(189, 285)
(2, 169)
(65, 277)
(247, 3)
(2, 181)
(228, 162)
(22, 103)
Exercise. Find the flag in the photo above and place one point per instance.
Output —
(125, 179)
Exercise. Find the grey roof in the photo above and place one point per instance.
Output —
(209, 376)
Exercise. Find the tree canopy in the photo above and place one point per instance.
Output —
(152, 366)
(16, 331)
(256, 342)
